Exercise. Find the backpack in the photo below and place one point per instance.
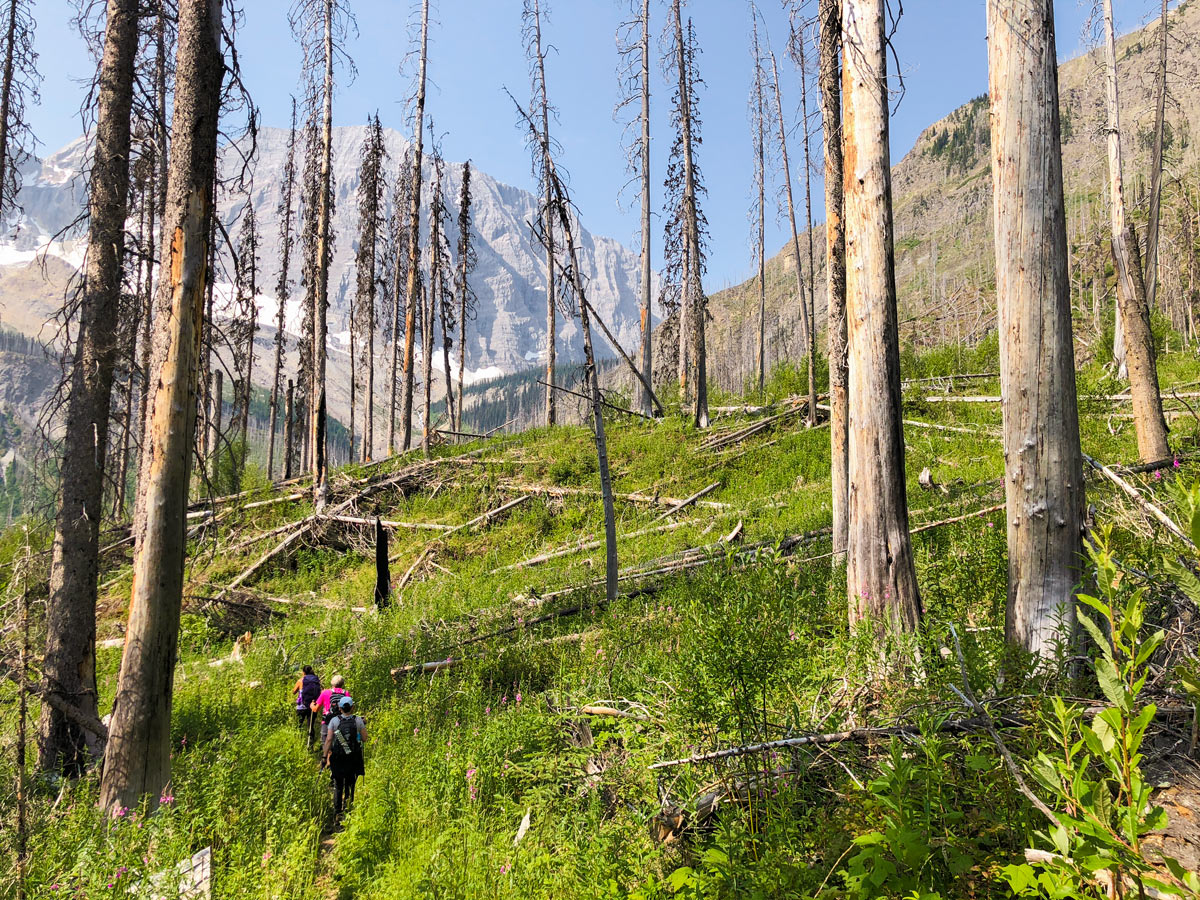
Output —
(334, 696)
(309, 690)
(346, 734)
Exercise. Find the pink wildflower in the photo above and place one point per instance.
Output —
(1158, 475)
(518, 698)
(1176, 463)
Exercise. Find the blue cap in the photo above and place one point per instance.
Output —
(345, 702)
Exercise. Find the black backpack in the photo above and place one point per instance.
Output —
(335, 697)
(347, 734)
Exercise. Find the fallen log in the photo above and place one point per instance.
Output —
(603, 402)
(451, 662)
(590, 544)
(634, 497)
(1137, 497)
(683, 504)
(962, 518)
(489, 515)
(389, 523)
(837, 737)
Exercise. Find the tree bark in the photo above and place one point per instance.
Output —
(1148, 419)
(881, 579)
(6, 85)
(1043, 482)
(317, 404)
(808, 230)
(760, 224)
(830, 14)
(548, 226)
(137, 759)
(69, 665)
(414, 236)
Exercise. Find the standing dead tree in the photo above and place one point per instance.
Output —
(18, 88)
(69, 665)
(438, 313)
(880, 577)
(558, 215)
(1042, 459)
(758, 128)
(401, 199)
(539, 106)
(412, 282)
(797, 44)
(830, 83)
(282, 287)
(323, 28)
(137, 757)
(1148, 420)
(633, 47)
(309, 203)
(244, 328)
(686, 226)
(466, 262)
(1156, 162)
(371, 187)
(807, 325)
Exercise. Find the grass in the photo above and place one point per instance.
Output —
(726, 654)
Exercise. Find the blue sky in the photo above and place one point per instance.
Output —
(476, 51)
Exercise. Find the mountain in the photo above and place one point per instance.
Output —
(942, 201)
(508, 331)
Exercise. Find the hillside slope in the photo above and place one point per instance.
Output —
(942, 195)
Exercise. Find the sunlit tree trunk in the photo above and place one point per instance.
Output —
(647, 323)
(69, 664)
(1042, 463)
(881, 579)
(1156, 164)
(317, 404)
(137, 758)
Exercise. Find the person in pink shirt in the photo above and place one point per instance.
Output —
(325, 705)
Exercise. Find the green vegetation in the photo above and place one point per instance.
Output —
(753, 646)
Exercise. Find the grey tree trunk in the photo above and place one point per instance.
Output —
(758, 137)
(317, 404)
(281, 287)
(830, 15)
(289, 440)
(806, 325)
(6, 91)
(1148, 418)
(137, 758)
(1156, 164)
(808, 230)
(414, 237)
(881, 580)
(551, 318)
(69, 663)
(1043, 465)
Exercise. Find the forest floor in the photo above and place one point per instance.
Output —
(514, 716)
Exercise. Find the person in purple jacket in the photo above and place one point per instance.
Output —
(307, 689)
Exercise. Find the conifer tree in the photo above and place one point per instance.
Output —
(400, 277)
(282, 286)
(19, 82)
(244, 329)
(686, 226)
(467, 260)
(371, 187)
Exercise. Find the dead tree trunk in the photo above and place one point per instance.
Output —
(137, 758)
(645, 402)
(880, 576)
(428, 317)
(808, 230)
(317, 403)
(214, 420)
(1148, 418)
(1042, 462)
(758, 137)
(466, 297)
(835, 268)
(289, 440)
(414, 235)
(1156, 165)
(69, 665)
(806, 325)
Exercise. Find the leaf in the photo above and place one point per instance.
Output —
(1021, 879)
(682, 877)
(1095, 631)
(1110, 683)
(523, 827)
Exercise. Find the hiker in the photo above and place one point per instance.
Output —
(325, 705)
(307, 689)
(343, 752)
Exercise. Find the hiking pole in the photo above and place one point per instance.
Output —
(310, 728)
